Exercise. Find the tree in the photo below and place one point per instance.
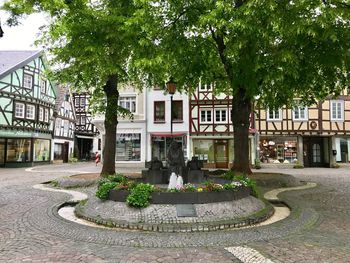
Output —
(90, 43)
(264, 51)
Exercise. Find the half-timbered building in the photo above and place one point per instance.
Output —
(63, 143)
(315, 136)
(27, 100)
(211, 129)
(86, 142)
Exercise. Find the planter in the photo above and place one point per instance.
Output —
(186, 197)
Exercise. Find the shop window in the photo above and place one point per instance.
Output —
(41, 150)
(204, 150)
(220, 115)
(128, 147)
(128, 103)
(337, 110)
(30, 111)
(300, 113)
(19, 110)
(27, 81)
(43, 86)
(161, 144)
(18, 150)
(177, 110)
(206, 116)
(274, 115)
(278, 150)
(159, 111)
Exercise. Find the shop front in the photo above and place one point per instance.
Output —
(22, 149)
(160, 143)
(128, 147)
(215, 153)
(278, 149)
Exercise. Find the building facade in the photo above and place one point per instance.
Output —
(211, 129)
(131, 132)
(27, 101)
(87, 140)
(315, 136)
(64, 123)
(159, 124)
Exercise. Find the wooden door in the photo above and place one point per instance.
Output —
(221, 153)
(313, 152)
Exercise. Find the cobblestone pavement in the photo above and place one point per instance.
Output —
(31, 230)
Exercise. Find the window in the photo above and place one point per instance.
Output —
(30, 112)
(82, 120)
(337, 110)
(128, 147)
(65, 128)
(128, 103)
(18, 150)
(205, 87)
(27, 81)
(58, 126)
(43, 86)
(41, 114)
(41, 150)
(177, 110)
(206, 116)
(316, 153)
(220, 115)
(300, 113)
(19, 110)
(82, 102)
(274, 115)
(76, 102)
(159, 111)
(46, 115)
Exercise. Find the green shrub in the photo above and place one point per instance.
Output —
(103, 189)
(189, 188)
(298, 165)
(73, 159)
(118, 178)
(257, 164)
(229, 175)
(140, 195)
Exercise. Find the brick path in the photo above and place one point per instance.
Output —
(318, 229)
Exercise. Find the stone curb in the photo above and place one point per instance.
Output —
(251, 220)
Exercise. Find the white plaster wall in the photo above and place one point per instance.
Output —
(183, 127)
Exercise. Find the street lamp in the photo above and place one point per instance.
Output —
(1, 32)
(171, 88)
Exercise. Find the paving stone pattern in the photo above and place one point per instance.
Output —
(318, 229)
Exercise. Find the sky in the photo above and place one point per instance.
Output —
(20, 37)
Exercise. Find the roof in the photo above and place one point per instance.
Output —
(13, 60)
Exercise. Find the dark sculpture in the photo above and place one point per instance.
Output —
(195, 164)
(156, 164)
(176, 160)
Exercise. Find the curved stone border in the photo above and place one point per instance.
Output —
(272, 195)
(77, 196)
(250, 220)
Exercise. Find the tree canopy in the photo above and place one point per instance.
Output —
(90, 43)
(270, 51)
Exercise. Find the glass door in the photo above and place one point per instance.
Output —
(221, 154)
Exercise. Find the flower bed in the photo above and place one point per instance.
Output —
(186, 197)
(119, 188)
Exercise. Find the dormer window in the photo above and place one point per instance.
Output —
(27, 81)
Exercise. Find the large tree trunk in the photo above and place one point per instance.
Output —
(111, 121)
(241, 110)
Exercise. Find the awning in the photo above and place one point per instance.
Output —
(167, 134)
(84, 137)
